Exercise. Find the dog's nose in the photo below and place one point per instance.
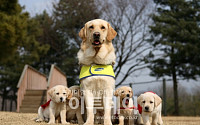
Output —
(146, 108)
(96, 34)
(128, 95)
(61, 99)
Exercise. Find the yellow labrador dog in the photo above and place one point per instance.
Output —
(151, 105)
(125, 105)
(96, 57)
(56, 106)
(73, 111)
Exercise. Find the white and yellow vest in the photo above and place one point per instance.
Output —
(96, 70)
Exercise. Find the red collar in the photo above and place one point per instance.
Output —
(46, 104)
(140, 109)
(129, 107)
(126, 108)
(151, 92)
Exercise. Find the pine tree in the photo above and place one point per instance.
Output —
(10, 27)
(60, 31)
(18, 46)
(176, 37)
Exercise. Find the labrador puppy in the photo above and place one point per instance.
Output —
(125, 105)
(73, 111)
(55, 106)
(97, 49)
(151, 105)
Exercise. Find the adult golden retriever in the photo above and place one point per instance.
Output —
(97, 49)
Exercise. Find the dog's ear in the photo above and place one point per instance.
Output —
(139, 99)
(70, 94)
(82, 33)
(157, 100)
(116, 93)
(50, 92)
(111, 33)
(131, 93)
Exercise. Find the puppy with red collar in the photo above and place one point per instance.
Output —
(56, 106)
(125, 105)
(150, 105)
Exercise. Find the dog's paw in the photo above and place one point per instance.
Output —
(80, 123)
(107, 123)
(51, 123)
(38, 120)
(46, 119)
(65, 123)
(88, 124)
(73, 121)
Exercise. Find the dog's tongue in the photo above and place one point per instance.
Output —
(96, 42)
(127, 101)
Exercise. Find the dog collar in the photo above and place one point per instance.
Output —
(129, 107)
(140, 109)
(151, 92)
(46, 104)
(96, 70)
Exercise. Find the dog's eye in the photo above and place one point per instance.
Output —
(91, 27)
(143, 102)
(151, 102)
(129, 91)
(122, 91)
(103, 27)
(57, 93)
(75, 91)
(64, 93)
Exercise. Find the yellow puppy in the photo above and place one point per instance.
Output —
(125, 104)
(151, 105)
(74, 105)
(56, 106)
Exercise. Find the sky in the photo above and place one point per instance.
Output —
(38, 6)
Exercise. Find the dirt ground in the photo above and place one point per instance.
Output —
(12, 118)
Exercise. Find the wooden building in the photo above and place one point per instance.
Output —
(56, 77)
(33, 87)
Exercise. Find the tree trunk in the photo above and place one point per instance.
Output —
(2, 104)
(3, 99)
(175, 86)
(15, 102)
(5, 105)
(164, 98)
(11, 102)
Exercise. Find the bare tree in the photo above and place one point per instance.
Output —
(130, 18)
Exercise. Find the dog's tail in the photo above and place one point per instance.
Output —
(38, 118)
(34, 119)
